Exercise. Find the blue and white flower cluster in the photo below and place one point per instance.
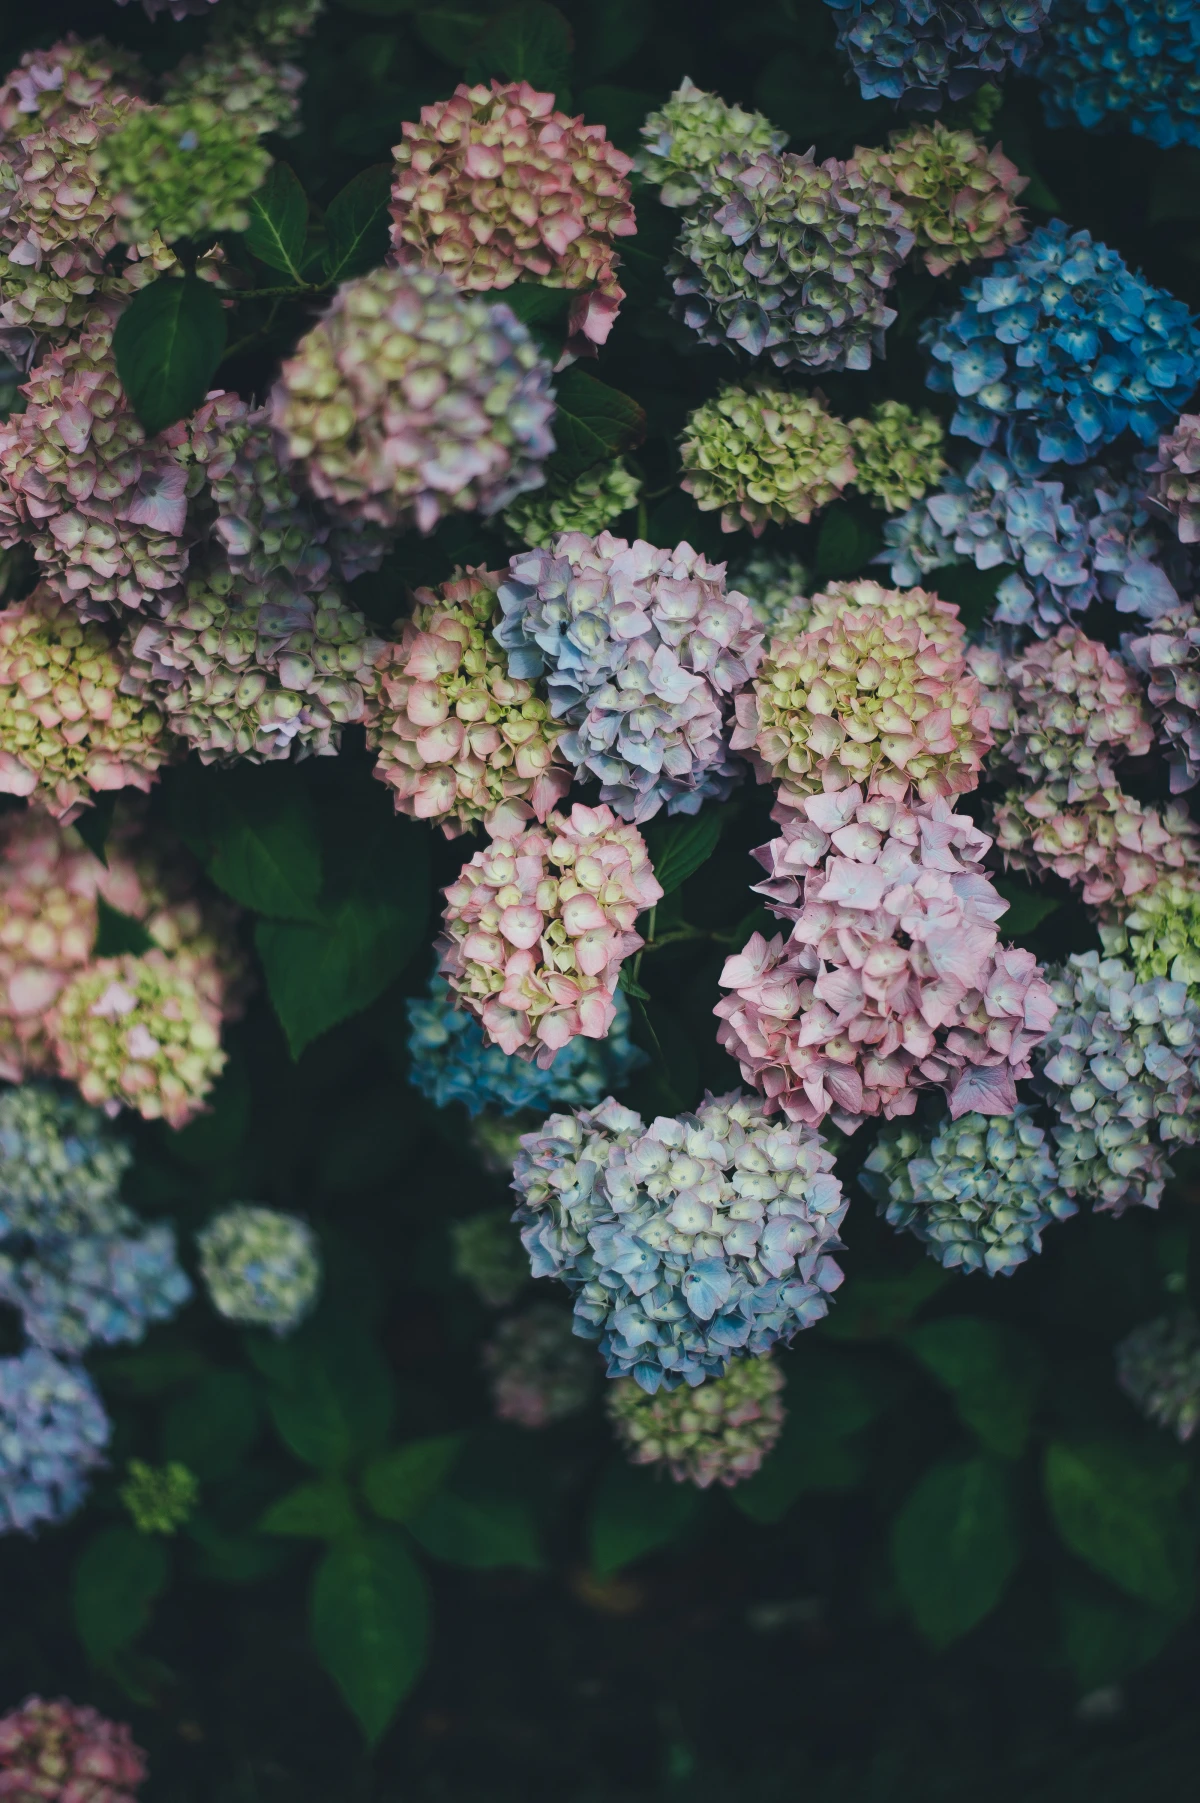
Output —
(1134, 63)
(920, 51)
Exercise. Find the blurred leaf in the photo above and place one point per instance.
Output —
(955, 1544)
(1119, 1510)
(151, 1371)
(481, 1533)
(1026, 908)
(323, 1511)
(278, 221)
(224, 1558)
(992, 1371)
(1105, 1635)
(118, 933)
(356, 224)
(217, 1134)
(400, 1483)
(634, 1512)
(370, 1624)
(95, 823)
(679, 843)
(530, 41)
(168, 343)
(876, 1308)
(256, 831)
(117, 1577)
(620, 111)
(828, 1401)
(844, 544)
(609, 32)
(806, 97)
(669, 1083)
(330, 1391)
(593, 424)
(447, 30)
(213, 1425)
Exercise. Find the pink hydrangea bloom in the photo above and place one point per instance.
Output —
(1169, 658)
(540, 921)
(892, 978)
(1177, 489)
(62, 1753)
(69, 77)
(1108, 844)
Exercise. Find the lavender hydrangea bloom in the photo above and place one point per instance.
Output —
(1124, 62)
(1065, 347)
(687, 1242)
(1083, 537)
(96, 1289)
(450, 1061)
(918, 51)
(53, 1431)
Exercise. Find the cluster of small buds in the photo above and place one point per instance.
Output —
(61, 1166)
(457, 734)
(1168, 656)
(53, 1432)
(1158, 1367)
(1177, 489)
(978, 1195)
(719, 1432)
(67, 729)
(892, 978)
(538, 924)
(765, 454)
(686, 1242)
(181, 169)
(159, 1498)
(240, 76)
(1108, 845)
(686, 139)
(776, 585)
(494, 184)
(486, 1253)
(958, 198)
(411, 400)
(62, 1753)
(538, 1371)
(70, 77)
(261, 1267)
(1075, 709)
(897, 454)
(589, 504)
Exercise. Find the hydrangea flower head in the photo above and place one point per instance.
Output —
(1131, 63)
(48, 887)
(457, 734)
(53, 1431)
(61, 1166)
(450, 1060)
(719, 1432)
(244, 78)
(641, 649)
(411, 400)
(892, 978)
(868, 698)
(537, 1371)
(1076, 710)
(776, 585)
(1158, 1367)
(897, 454)
(487, 1254)
(685, 140)
(493, 185)
(70, 77)
(182, 169)
(937, 619)
(159, 1498)
(588, 504)
(958, 197)
(978, 1194)
(1178, 470)
(686, 1242)
(538, 924)
(261, 1267)
(763, 454)
(920, 51)
(1158, 931)
(1066, 348)
(62, 1753)
(1109, 845)
(789, 258)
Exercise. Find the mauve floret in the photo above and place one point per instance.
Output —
(53, 1432)
(1158, 1367)
(958, 197)
(95, 1289)
(719, 1432)
(892, 978)
(978, 1194)
(765, 454)
(537, 1371)
(456, 734)
(686, 139)
(261, 1267)
(1178, 470)
(1108, 844)
(869, 697)
(1168, 656)
(61, 1166)
(920, 51)
(897, 454)
(271, 534)
(70, 77)
(67, 729)
(686, 1242)
(410, 400)
(589, 504)
(538, 924)
(1076, 709)
(493, 185)
(63, 1753)
(790, 258)
(1121, 1069)
(776, 584)
(182, 169)
(641, 650)
(486, 1252)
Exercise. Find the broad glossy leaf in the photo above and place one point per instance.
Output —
(118, 933)
(278, 221)
(634, 1512)
(256, 830)
(992, 1371)
(481, 1532)
(1119, 1509)
(117, 1578)
(212, 1425)
(1106, 1635)
(679, 843)
(168, 343)
(399, 1484)
(1026, 908)
(875, 1308)
(829, 1398)
(593, 424)
(449, 30)
(607, 35)
(955, 1544)
(356, 224)
(323, 1510)
(529, 41)
(370, 1624)
(330, 1392)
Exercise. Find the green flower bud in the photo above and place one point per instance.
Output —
(159, 1498)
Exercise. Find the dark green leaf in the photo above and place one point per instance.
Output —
(993, 1372)
(844, 544)
(875, 1308)
(151, 1371)
(370, 1624)
(1105, 1635)
(278, 221)
(448, 30)
(678, 844)
(609, 33)
(621, 111)
(634, 1512)
(530, 41)
(671, 1080)
(829, 1400)
(168, 343)
(226, 1558)
(1026, 908)
(212, 1426)
(95, 823)
(216, 1135)
(330, 1391)
(593, 424)
(117, 1577)
(482, 1533)
(1119, 1510)
(257, 832)
(400, 1483)
(356, 224)
(118, 933)
(323, 1510)
(955, 1545)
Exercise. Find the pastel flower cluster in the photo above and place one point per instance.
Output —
(1132, 63)
(62, 1753)
(537, 1371)
(494, 184)
(686, 140)
(588, 504)
(451, 1060)
(686, 1242)
(538, 924)
(1158, 931)
(53, 1432)
(457, 733)
(979, 1194)
(1158, 1367)
(897, 454)
(921, 51)
(182, 169)
(765, 454)
(775, 583)
(61, 1166)
(1075, 710)
(892, 978)
(641, 650)
(69, 77)
(1109, 845)
(719, 1432)
(261, 1267)
(958, 197)
(1066, 348)
(1178, 471)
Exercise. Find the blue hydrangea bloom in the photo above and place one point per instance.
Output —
(449, 1061)
(98, 1289)
(1072, 541)
(920, 51)
(1125, 62)
(53, 1431)
(61, 1165)
(1065, 348)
